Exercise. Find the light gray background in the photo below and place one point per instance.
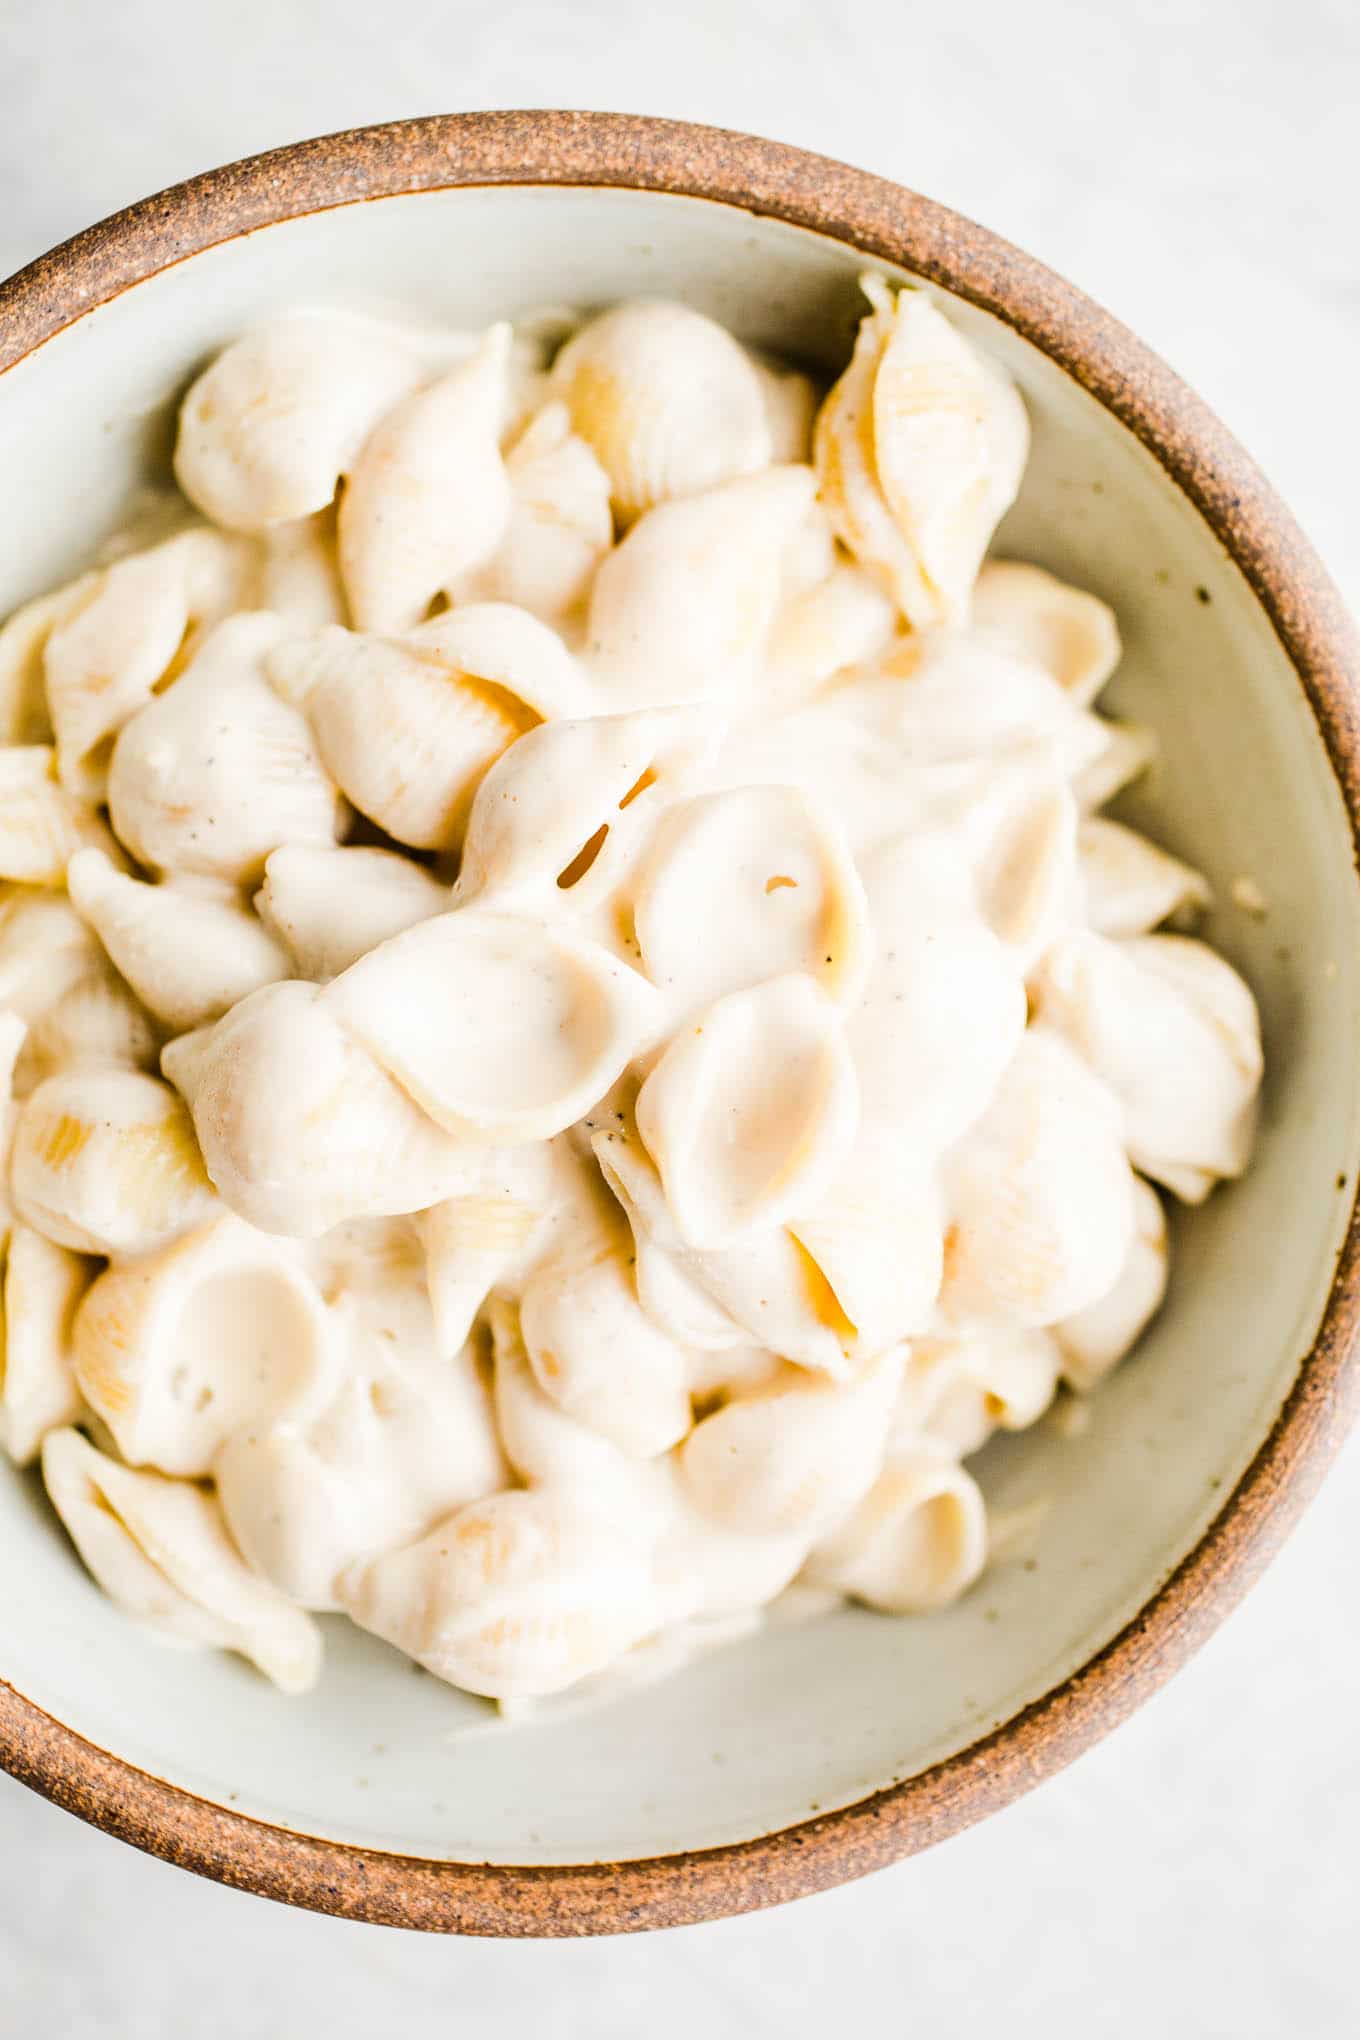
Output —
(1195, 164)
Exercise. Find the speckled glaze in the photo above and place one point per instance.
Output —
(1256, 534)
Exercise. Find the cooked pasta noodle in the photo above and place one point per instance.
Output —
(573, 1040)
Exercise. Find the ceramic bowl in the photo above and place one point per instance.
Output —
(808, 1755)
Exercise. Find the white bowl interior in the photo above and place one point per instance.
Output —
(802, 1718)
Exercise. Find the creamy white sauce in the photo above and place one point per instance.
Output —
(662, 1057)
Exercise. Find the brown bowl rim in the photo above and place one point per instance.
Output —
(1257, 534)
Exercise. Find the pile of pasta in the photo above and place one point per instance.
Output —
(576, 1039)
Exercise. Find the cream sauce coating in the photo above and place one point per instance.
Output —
(659, 1056)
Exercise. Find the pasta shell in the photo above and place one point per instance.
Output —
(374, 1268)
(749, 1110)
(1028, 884)
(829, 755)
(270, 426)
(563, 809)
(45, 948)
(406, 731)
(519, 1595)
(1039, 619)
(1018, 1375)
(546, 1447)
(12, 1032)
(212, 776)
(770, 881)
(1096, 1339)
(811, 554)
(331, 906)
(382, 1446)
(127, 640)
(105, 1162)
(299, 573)
(795, 1456)
(768, 1287)
(538, 336)
(550, 1448)
(682, 610)
(843, 620)
(943, 1405)
(300, 1128)
(188, 955)
(957, 1391)
(1040, 1195)
(677, 1304)
(669, 401)
(569, 1018)
(1123, 752)
(42, 825)
(559, 528)
(942, 1402)
(300, 1514)
(24, 717)
(477, 1237)
(919, 450)
(943, 1011)
(1130, 885)
(717, 1376)
(593, 1348)
(428, 497)
(917, 1541)
(507, 647)
(924, 743)
(963, 699)
(877, 1237)
(1173, 1031)
(95, 1024)
(181, 1348)
(713, 1571)
(158, 1549)
(38, 1392)
(790, 409)
(401, 1442)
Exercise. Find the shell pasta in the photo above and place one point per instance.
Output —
(574, 1041)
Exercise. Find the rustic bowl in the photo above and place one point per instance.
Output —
(810, 1755)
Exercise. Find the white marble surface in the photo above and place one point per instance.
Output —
(1194, 164)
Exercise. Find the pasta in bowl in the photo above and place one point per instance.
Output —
(733, 1076)
(315, 1265)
